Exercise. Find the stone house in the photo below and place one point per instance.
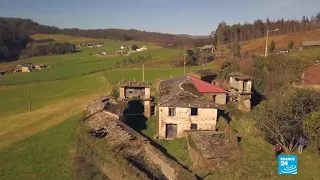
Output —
(136, 90)
(240, 92)
(184, 105)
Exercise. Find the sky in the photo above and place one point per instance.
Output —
(193, 17)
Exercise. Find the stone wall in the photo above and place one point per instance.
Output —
(205, 120)
(221, 98)
(171, 169)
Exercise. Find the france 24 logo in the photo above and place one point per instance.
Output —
(287, 164)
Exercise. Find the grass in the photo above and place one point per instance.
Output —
(46, 155)
(14, 99)
(177, 148)
(73, 65)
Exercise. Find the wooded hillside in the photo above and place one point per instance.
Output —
(226, 34)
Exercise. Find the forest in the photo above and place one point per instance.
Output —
(35, 49)
(226, 34)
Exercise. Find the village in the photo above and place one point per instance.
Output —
(22, 68)
(190, 106)
(187, 107)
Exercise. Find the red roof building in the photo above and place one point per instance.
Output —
(204, 87)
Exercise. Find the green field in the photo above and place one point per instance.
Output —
(36, 143)
(46, 155)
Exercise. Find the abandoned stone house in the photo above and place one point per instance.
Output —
(187, 103)
(137, 90)
(240, 92)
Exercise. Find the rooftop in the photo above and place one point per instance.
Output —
(205, 87)
(311, 43)
(134, 84)
(186, 91)
(240, 76)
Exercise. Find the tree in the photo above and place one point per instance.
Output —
(311, 128)
(225, 69)
(134, 47)
(281, 119)
(290, 45)
(236, 50)
(272, 46)
(115, 93)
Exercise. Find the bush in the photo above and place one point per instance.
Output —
(115, 93)
(290, 45)
(311, 127)
(272, 46)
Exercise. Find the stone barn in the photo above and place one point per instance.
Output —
(137, 90)
(240, 92)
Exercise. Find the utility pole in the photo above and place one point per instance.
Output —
(29, 99)
(184, 63)
(142, 72)
(266, 50)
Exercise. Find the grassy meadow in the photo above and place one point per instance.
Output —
(36, 143)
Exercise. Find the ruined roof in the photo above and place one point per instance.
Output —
(184, 99)
(172, 81)
(311, 43)
(240, 76)
(186, 91)
(211, 144)
(134, 84)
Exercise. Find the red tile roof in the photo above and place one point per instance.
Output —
(205, 87)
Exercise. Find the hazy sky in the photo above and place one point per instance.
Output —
(195, 17)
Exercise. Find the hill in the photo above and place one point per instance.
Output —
(282, 41)
(30, 27)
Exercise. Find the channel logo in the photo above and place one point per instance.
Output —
(287, 164)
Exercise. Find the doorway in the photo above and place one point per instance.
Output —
(171, 130)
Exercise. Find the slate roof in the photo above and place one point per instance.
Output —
(173, 95)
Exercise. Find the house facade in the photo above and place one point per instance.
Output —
(175, 121)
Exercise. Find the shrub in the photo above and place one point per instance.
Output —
(311, 127)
